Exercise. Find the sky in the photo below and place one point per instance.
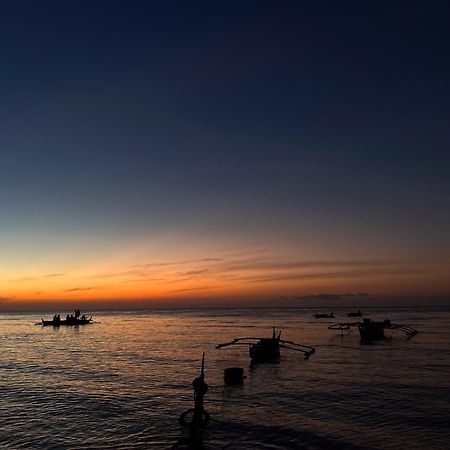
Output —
(224, 153)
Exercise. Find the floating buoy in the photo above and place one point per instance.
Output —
(233, 375)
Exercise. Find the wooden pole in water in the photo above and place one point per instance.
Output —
(199, 417)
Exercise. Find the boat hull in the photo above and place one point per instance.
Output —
(266, 350)
(51, 323)
(373, 331)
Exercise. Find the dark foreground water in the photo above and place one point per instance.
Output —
(123, 382)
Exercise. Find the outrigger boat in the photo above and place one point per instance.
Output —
(70, 322)
(355, 313)
(370, 330)
(268, 349)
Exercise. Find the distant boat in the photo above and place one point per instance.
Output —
(70, 322)
(323, 316)
(370, 330)
(355, 314)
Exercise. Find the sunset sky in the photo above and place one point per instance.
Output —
(210, 153)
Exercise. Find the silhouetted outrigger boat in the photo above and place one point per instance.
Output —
(370, 330)
(268, 349)
(69, 322)
(323, 316)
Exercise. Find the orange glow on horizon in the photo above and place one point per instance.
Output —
(250, 275)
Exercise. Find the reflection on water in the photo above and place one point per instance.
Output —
(123, 382)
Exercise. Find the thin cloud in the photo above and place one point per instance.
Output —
(24, 279)
(32, 278)
(195, 272)
(328, 275)
(195, 289)
(143, 280)
(116, 274)
(76, 289)
(421, 192)
(238, 253)
(181, 280)
(176, 263)
(327, 296)
(255, 265)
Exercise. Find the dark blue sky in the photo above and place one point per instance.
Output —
(255, 121)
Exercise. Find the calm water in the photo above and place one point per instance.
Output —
(123, 382)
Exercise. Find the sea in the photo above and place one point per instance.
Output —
(123, 381)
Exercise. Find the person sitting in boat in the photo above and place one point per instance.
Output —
(83, 317)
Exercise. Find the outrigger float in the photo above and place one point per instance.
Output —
(263, 350)
(370, 330)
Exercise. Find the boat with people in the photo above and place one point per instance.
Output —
(70, 320)
(371, 330)
(263, 349)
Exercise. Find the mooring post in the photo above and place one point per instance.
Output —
(200, 417)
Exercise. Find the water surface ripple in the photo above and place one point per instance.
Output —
(122, 383)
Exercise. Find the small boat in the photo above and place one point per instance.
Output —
(355, 314)
(370, 330)
(323, 316)
(70, 322)
(264, 349)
